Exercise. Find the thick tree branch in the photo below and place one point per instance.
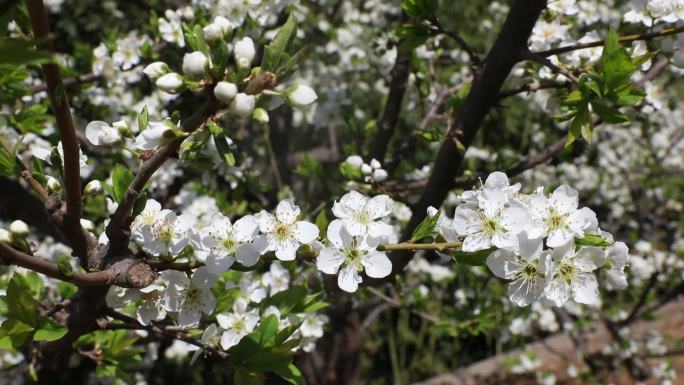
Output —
(15, 257)
(65, 124)
(390, 117)
(504, 54)
(69, 83)
(118, 225)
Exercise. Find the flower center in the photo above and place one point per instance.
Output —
(362, 217)
(555, 221)
(282, 231)
(353, 257)
(566, 271)
(229, 244)
(164, 231)
(491, 226)
(530, 270)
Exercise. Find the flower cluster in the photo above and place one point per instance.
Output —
(516, 228)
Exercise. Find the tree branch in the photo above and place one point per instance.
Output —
(118, 224)
(70, 82)
(504, 54)
(15, 257)
(390, 116)
(623, 39)
(60, 107)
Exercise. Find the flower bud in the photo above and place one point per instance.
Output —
(260, 115)
(156, 70)
(195, 64)
(171, 83)
(53, 185)
(19, 228)
(93, 187)
(102, 134)
(380, 175)
(374, 163)
(225, 92)
(244, 52)
(219, 28)
(87, 224)
(5, 236)
(366, 169)
(300, 95)
(242, 105)
(354, 161)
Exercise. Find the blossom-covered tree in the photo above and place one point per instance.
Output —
(339, 192)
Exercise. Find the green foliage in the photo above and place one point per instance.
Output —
(8, 161)
(474, 258)
(143, 119)
(411, 36)
(19, 52)
(264, 350)
(275, 52)
(24, 323)
(425, 228)
(420, 9)
(604, 92)
(116, 352)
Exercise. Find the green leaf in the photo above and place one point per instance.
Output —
(14, 334)
(607, 113)
(18, 52)
(273, 52)
(411, 36)
(420, 9)
(641, 59)
(266, 332)
(139, 204)
(592, 240)
(350, 172)
(291, 374)
(49, 330)
(322, 221)
(7, 162)
(143, 119)
(288, 299)
(425, 228)
(245, 377)
(121, 179)
(475, 258)
(617, 65)
(20, 303)
(64, 265)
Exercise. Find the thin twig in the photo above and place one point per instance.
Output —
(623, 39)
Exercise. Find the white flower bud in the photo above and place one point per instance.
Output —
(102, 134)
(380, 175)
(195, 64)
(260, 115)
(156, 70)
(212, 33)
(354, 161)
(300, 95)
(244, 52)
(225, 92)
(93, 187)
(5, 236)
(19, 228)
(366, 169)
(53, 185)
(375, 163)
(87, 224)
(171, 83)
(242, 105)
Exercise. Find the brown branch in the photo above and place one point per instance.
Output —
(15, 257)
(623, 39)
(390, 117)
(117, 226)
(543, 60)
(504, 54)
(70, 82)
(67, 133)
(532, 87)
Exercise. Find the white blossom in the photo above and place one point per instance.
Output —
(361, 215)
(189, 297)
(228, 242)
(237, 324)
(102, 134)
(195, 64)
(282, 232)
(573, 275)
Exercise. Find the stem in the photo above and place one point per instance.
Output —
(26, 174)
(623, 39)
(60, 108)
(272, 157)
(419, 246)
(40, 265)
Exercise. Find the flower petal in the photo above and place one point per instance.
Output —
(329, 261)
(376, 264)
(305, 232)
